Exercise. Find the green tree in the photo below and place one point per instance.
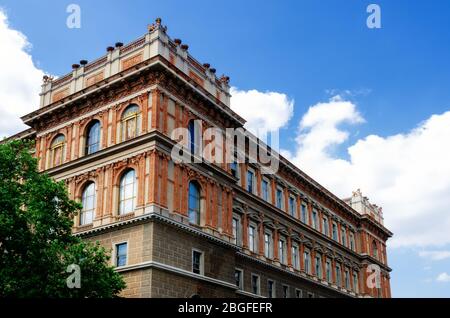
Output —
(36, 244)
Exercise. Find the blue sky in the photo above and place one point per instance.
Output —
(309, 51)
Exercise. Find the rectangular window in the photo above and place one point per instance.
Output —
(307, 262)
(304, 217)
(255, 284)
(250, 181)
(267, 245)
(236, 231)
(352, 242)
(328, 270)
(238, 276)
(347, 279)
(314, 220)
(338, 275)
(318, 266)
(298, 293)
(355, 282)
(252, 238)
(279, 199)
(335, 232)
(325, 228)
(197, 262)
(295, 258)
(234, 169)
(282, 251)
(270, 289)
(285, 291)
(344, 236)
(292, 206)
(265, 190)
(121, 254)
(310, 295)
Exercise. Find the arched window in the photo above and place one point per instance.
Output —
(88, 202)
(130, 122)
(93, 137)
(375, 249)
(127, 192)
(57, 150)
(194, 203)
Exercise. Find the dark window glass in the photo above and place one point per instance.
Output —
(194, 203)
(93, 138)
(121, 254)
(196, 262)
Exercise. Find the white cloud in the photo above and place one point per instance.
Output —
(435, 255)
(264, 111)
(20, 79)
(407, 174)
(443, 278)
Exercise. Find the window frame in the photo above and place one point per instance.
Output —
(125, 119)
(240, 286)
(83, 212)
(201, 261)
(198, 211)
(258, 284)
(121, 210)
(90, 127)
(116, 253)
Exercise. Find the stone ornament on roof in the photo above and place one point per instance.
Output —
(156, 26)
(47, 79)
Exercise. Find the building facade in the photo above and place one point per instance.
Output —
(210, 228)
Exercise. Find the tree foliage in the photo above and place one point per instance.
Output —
(36, 243)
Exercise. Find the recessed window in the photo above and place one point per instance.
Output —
(270, 289)
(374, 249)
(255, 284)
(347, 279)
(298, 293)
(194, 203)
(265, 190)
(57, 150)
(328, 270)
(292, 206)
(127, 192)
(250, 181)
(197, 262)
(335, 231)
(304, 216)
(307, 261)
(355, 282)
(93, 138)
(285, 291)
(318, 266)
(236, 230)
(121, 254)
(130, 122)
(295, 257)
(234, 169)
(88, 203)
(314, 219)
(310, 295)
(252, 238)
(338, 275)
(239, 278)
(352, 242)
(282, 251)
(268, 245)
(279, 198)
(344, 236)
(325, 226)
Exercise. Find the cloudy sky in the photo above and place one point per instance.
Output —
(355, 107)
